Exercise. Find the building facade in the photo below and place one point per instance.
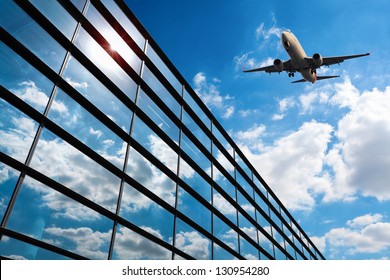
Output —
(106, 152)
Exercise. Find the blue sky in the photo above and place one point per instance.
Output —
(322, 148)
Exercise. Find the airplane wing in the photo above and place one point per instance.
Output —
(333, 59)
(272, 69)
(318, 78)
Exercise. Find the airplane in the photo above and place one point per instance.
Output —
(300, 62)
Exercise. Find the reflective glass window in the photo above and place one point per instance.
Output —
(194, 180)
(8, 179)
(197, 110)
(117, 44)
(154, 144)
(222, 254)
(196, 155)
(17, 132)
(223, 141)
(243, 165)
(161, 91)
(84, 126)
(244, 203)
(193, 209)
(224, 206)
(226, 234)
(105, 63)
(196, 131)
(244, 184)
(157, 61)
(247, 250)
(18, 250)
(265, 243)
(30, 34)
(79, 4)
(23, 80)
(222, 160)
(92, 89)
(192, 242)
(125, 23)
(61, 19)
(148, 175)
(130, 245)
(158, 116)
(62, 162)
(145, 213)
(60, 221)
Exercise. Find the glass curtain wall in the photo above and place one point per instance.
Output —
(106, 152)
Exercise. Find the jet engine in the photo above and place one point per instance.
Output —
(317, 59)
(278, 64)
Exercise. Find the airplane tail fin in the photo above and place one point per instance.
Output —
(318, 78)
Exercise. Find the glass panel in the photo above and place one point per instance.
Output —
(226, 234)
(222, 254)
(125, 22)
(192, 242)
(92, 89)
(195, 181)
(244, 184)
(244, 203)
(154, 144)
(60, 221)
(79, 3)
(223, 141)
(129, 245)
(279, 255)
(222, 160)
(194, 210)
(61, 19)
(81, 124)
(164, 69)
(63, 163)
(105, 63)
(243, 165)
(29, 33)
(247, 250)
(117, 44)
(195, 154)
(196, 131)
(197, 110)
(8, 179)
(221, 204)
(18, 250)
(161, 91)
(24, 81)
(158, 116)
(147, 214)
(265, 243)
(17, 132)
(151, 177)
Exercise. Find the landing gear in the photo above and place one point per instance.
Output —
(291, 74)
(313, 71)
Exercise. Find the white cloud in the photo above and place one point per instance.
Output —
(293, 165)
(361, 159)
(97, 133)
(264, 33)
(365, 234)
(364, 220)
(284, 105)
(132, 246)
(86, 242)
(193, 244)
(76, 85)
(30, 93)
(212, 97)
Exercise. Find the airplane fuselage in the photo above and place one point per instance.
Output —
(297, 55)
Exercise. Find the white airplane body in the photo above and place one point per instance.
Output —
(300, 62)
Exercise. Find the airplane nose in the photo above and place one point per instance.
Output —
(284, 37)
